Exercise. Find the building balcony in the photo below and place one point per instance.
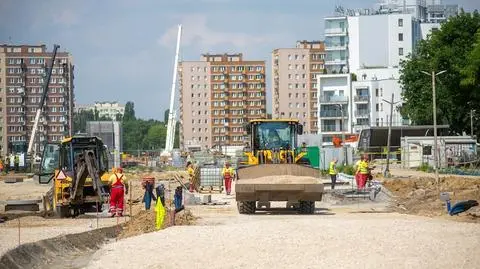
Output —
(335, 62)
(333, 47)
(361, 98)
(336, 31)
(333, 114)
(362, 113)
(335, 99)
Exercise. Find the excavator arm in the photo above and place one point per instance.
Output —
(86, 167)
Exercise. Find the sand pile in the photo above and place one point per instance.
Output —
(283, 179)
(144, 222)
(422, 196)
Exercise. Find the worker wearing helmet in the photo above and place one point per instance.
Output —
(332, 171)
(191, 176)
(118, 188)
(228, 174)
(362, 172)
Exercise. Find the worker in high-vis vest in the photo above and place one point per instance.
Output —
(228, 174)
(362, 172)
(332, 171)
(191, 175)
(118, 188)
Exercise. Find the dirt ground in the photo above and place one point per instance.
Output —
(421, 196)
(34, 227)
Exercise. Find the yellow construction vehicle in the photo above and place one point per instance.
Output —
(78, 170)
(272, 152)
(273, 141)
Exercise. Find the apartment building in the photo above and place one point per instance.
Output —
(110, 110)
(294, 75)
(218, 94)
(362, 65)
(22, 76)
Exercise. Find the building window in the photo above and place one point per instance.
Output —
(400, 51)
(400, 37)
(400, 22)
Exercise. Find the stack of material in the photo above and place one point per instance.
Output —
(203, 158)
(210, 179)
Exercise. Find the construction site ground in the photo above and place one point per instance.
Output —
(405, 227)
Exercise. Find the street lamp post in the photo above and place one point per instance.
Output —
(343, 135)
(387, 168)
(435, 153)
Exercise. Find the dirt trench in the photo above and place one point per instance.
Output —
(66, 251)
(421, 196)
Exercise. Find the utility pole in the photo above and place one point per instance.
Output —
(435, 153)
(345, 162)
(471, 122)
(387, 169)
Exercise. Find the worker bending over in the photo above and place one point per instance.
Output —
(118, 188)
(362, 172)
(332, 171)
(228, 174)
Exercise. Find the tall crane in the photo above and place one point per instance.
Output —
(171, 113)
(42, 101)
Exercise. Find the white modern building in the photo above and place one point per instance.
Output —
(364, 49)
(104, 109)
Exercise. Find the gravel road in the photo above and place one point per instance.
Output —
(333, 240)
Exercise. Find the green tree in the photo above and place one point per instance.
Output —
(155, 138)
(129, 111)
(165, 116)
(80, 120)
(450, 49)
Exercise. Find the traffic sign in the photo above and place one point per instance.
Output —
(61, 175)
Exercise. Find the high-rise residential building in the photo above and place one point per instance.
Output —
(112, 110)
(294, 82)
(218, 94)
(362, 65)
(22, 76)
(425, 11)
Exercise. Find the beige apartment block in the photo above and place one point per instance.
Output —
(294, 86)
(3, 108)
(218, 94)
(23, 70)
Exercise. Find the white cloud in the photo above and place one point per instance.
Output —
(196, 32)
(65, 18)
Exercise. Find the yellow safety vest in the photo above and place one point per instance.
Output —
(363, 167)
(228, 171)
(332, 171)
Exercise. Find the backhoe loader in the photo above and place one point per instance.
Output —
(77, 168)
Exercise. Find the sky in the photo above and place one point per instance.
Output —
(124, 50)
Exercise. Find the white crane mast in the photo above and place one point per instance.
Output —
(171, 115)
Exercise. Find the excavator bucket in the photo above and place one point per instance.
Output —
(278, 182)
(256, 171)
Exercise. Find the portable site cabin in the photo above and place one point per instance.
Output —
(452, 150)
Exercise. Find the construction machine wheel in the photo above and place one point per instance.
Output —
(47, 201)
(246, 207)
(261, 158)
(306, 207)
(62, 211)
